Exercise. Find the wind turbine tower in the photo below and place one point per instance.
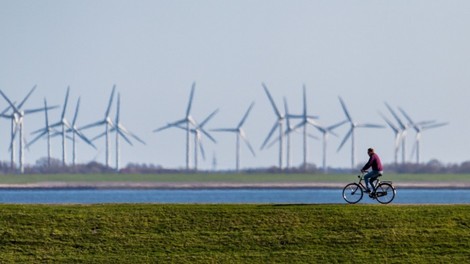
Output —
(240, 134)
(107, 123)
(306, 120)
(419, 128)
(277, 125)
(326, 131)
(188, 121)
(351, 133)
(17, 119)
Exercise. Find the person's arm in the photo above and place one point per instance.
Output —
(368, 164)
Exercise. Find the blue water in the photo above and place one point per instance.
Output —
(217, 196)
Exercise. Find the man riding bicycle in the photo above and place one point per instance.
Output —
(377, 169)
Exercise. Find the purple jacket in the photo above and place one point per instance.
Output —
(374, 162)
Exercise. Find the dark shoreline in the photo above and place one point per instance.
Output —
(214, 185)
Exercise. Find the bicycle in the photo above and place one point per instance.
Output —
(384, 191)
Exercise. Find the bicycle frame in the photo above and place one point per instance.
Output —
(376, 182)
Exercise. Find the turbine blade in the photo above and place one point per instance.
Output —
(123, 135)
(408, 118)
(400, 123)
(138, 138)
(435, 125)
(127, 132)
(32, 111)
(6, 110)
(225, 130)
(76, 113)
(174, 124)
(118, 108)
(9, 102)
(191, 96)
(36, 138)
(332, 127)
(312, 117)
(27, 97)
(208, 118)
(271, 132)
(65, 103)
(46, 113)
(286, 109)
(276, 110)
(246, 115)
(348, 135)
(84, 138)
(201, 147)
(99, 123)
(389, 123)
(305, 101)
(110, 102)
(413, 150)
(345, 109)
(313, 136)
(243, 136)
(370, 125)
(303, 123)
(207, 135)
(98, 136)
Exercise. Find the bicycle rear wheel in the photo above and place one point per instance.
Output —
(385, 193)
(352, 193)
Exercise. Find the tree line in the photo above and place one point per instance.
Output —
(43, 167)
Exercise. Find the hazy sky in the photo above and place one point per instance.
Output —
(413, 54)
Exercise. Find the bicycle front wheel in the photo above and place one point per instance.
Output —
(352, 193)
(385, 193)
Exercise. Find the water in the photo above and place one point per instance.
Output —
(218, 196)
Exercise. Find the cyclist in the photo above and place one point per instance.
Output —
(377, 169)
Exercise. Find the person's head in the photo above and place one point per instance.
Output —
(370, 151)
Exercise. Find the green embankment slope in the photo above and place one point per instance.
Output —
(235, 233)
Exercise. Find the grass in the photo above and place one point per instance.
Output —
(242, 178)
(234, 233)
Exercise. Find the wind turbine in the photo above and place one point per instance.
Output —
(63, 124)
(278, 124)
(240, 133)
(76, 132)
(287, 133)
(187, 121)
(17, 122)
(106, 122)
(326, 131)
(306, 120)
(403, 131)
(122, 131)
(350, 134)
(419, 128)
(65, 127)
(197, 132)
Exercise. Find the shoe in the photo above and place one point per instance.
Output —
(367, 191)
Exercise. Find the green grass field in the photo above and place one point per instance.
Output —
(234, 234)
(242, 178)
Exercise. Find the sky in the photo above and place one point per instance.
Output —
(412, 54)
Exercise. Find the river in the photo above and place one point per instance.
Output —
(219, 196)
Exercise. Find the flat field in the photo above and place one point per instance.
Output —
(229, 177)
(234, 233)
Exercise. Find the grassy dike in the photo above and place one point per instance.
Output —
(153, 233)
